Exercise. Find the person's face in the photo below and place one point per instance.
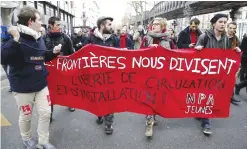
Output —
(35, 25)
(156, 28)
(231, 29)
(107, 27)
(220, 25)
(193, 26)
(79, 33)
(84, 32)
(56, 26)
(123, 30)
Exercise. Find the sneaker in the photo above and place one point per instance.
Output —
(30, 144)
(100, 120)
(71, 109)
(108, 129)
(45, 146)
(206, 129)
(149, 128)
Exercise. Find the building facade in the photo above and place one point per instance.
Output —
(47, 9)
(86, 13)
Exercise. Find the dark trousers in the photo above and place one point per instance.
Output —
(108, 119)
(242, 84)
(205, 121)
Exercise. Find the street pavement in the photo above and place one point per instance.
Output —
(78, 130)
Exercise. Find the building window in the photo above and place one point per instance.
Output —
(65, 18)
(52, 11)
(41, 8)
(30, 3)
(62, 16)
(55, 12)
(48, 11)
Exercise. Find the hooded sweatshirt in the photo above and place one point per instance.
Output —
(208, 40)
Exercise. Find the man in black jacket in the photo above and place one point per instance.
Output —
(243, 82)
(102, 36)
(56, 37)
(188, 37)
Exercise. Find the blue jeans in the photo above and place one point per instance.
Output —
(205, 121)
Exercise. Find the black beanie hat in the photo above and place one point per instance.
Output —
(217, 17)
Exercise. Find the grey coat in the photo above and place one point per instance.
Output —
(208, 40)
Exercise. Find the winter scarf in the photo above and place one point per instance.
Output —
(123, 38)
(103, 37)
(26, 30)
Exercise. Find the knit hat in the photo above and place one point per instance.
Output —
(217, 17)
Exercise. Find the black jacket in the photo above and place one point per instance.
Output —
(78, 41)
(184, 38)
(243, 48)
(111, 41)
(53, 39)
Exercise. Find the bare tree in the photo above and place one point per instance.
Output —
(126, 20)
(138, 7)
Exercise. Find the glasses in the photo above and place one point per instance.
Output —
(156, 24)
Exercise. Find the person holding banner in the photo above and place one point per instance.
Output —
(243, 82)
(214, 38)
(26, 54)
(156, 36)
(55, 37)
(102, 36)
(188, 37)
(231, 30)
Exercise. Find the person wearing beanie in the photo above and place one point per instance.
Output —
(214, 38)
(189, 36)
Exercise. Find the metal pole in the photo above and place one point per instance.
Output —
(145, 13)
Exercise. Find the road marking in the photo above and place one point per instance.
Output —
(4, 121)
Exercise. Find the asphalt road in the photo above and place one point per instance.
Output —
(78, 130)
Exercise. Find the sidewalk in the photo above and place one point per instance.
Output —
(3, 74)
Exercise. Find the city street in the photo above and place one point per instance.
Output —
(78, 130)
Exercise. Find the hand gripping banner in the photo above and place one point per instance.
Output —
(171, 83)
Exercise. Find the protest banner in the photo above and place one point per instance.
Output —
(171, 83)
